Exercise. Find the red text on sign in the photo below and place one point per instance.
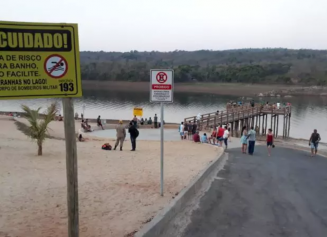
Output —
(161, 87)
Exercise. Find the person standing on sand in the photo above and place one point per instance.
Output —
(314, 141)
(190, 129)
(134, 133)
(185, 130)
(120, 135)
(194, 128)
(181, 130)
(155, 121)
(99, 122)
(213, 137)
(135, 121)
(270, 141)
(244, 141)
(251, 138)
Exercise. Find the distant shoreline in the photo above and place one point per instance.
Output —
(233, 89)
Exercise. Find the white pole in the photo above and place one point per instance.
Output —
(162, 150)
(84, 111)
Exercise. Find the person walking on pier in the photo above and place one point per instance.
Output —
(314, 141)
(244, 139)
(251, 138)
(120, 135)
(270, 141)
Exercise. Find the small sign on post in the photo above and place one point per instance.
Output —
(41, 60)
(138, 112)
(162, 85)
(161, 90)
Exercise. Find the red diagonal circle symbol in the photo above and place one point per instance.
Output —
(162, 77)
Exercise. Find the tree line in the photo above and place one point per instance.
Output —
(282, 66)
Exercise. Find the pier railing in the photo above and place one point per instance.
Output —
(238, 116)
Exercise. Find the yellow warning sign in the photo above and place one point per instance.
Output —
(138, 112)
(39, 60)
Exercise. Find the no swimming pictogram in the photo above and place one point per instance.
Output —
(161, 77)
(56, 66)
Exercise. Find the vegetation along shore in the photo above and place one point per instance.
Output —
(264, 66)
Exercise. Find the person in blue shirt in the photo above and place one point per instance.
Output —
(204, 138)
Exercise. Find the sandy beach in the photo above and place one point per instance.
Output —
(118, 191)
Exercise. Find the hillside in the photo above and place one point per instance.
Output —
(282, 66)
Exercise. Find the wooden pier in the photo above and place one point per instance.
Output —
(239, 116)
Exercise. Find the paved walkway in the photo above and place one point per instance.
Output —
(259, 196)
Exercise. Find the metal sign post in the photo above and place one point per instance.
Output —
(162, 150)
(161, 90)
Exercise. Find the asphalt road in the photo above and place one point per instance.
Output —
(261, 196)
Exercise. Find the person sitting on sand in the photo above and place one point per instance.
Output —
(142, 121)
(196, 137)
(87, 125)
(60, 118)
(99, 122)
(213, 137)
(80, 138)
(150, 121)
(204, 138)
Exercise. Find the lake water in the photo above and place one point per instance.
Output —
(307, 112)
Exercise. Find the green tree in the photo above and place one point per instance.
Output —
(39, 126)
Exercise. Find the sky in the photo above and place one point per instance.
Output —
(167, 25)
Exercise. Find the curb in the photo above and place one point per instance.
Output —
(159, 223)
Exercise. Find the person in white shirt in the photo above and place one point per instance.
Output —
(226, 136)
(278, 105)
(181, 130)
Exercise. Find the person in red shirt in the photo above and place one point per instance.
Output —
(270, 141)
(213, 137)
(196, 137)
(220, 134)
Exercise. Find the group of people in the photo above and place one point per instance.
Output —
(149, 121)
(121, 134)
(189, 131)
(220, 135)
(86, 126)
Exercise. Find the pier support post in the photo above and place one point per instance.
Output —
(289, 125)
(266, 124)
(277, 125)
